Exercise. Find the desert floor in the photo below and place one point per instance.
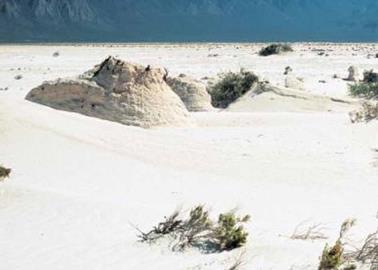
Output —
(80, 185)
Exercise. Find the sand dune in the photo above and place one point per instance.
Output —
(79, 183)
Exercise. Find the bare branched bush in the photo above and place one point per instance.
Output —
(198, 230)
(238, 262)
(311, 232)
(169, 226)
(368, 253)
(4, 172)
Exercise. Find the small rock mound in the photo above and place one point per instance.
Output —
(193, 93)
(264, 97)
(117, 91)
(294, 83)
(354, 74)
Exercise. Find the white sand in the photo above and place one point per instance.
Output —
(79, 182)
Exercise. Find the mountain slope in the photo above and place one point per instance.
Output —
(188, 20)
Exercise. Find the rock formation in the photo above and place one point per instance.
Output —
(354, 74)
(294, 83)
(193, 93)
(117, 91)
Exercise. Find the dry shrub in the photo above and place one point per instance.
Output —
(275, 49)
(368, 254)
(4, 172)
(311, 232)
(198, 230)
(367, 113)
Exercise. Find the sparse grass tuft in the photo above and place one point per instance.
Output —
(231, 87)
(275, 49)
(364, 90)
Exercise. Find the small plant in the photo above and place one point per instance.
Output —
(231, 87)
(169, 226)
(364, 90)
(229, 233)
(198, 230)
(367, 113)
(275, 49)
(333, 257)
(4, 172)
(368, 253)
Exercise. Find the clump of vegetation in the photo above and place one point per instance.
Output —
(198, 230)
(370, 77)
(229, 233)
(368, 254)
(364, 90)
(231, 87)
(275, 49)
(367, 113)
(4, 172)
(333, 257)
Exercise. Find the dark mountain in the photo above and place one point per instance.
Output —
(188, 20)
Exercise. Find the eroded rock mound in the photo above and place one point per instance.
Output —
(294, 82)
(117, 91)
(193, 93)
(264, 97)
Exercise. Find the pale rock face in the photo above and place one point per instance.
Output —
(354, 74)
(294, 83)
(117, 91)
(193, 93)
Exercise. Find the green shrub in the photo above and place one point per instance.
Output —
(198, 230)
(332, 257)
(275, 49)
(364, 90)
(229, 233)
(4, 172)
(231, 87)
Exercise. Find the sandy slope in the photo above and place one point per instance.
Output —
(79, 183)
